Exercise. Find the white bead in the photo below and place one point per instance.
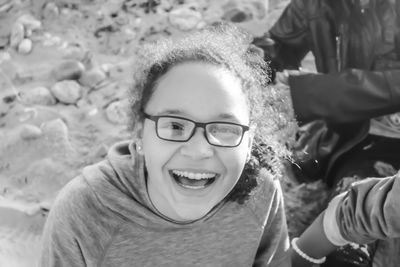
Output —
(304, 255)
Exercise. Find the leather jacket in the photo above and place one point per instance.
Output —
(356, 45)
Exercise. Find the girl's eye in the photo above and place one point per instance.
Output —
(177, 126)
(173, 129)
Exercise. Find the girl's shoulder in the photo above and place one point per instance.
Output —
(267, 196)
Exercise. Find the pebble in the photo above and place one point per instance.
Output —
(116, 113)
(5, 6)
(74, 52)
(28, 114)
(9, 98)
(50, 40)
(67, 91)
(93, 77)
(69, 70)
(82, 103)
(30, 22)
(4, 56)
(50, 11)
(30, 132)
(106, 68)
(25, 46)
(3, 41)
(55, 128)
(45, 205)
(57, 137)
(243, 11)
(17, 34)
(184, 18)
(39, 95)
(237, 15)
(101, 151)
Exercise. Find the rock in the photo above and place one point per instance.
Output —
(30, 132)
(237, 15)
(56, 128)
(3, 41)
(5, 6)
(50, 11)
(68, 70)
(38, 96)
(17, 34)
(184, 18)
(73, 52)
(50, 40)
(45, 205)
(100, 151)
(4, 56)
(106, 68)
(9, 98)
(93, 77)
(243, 11)
(82, 103)
(28, 114)
(67, 91)
(25, 46)
(57, 139)
(30, 22)
(116, 112)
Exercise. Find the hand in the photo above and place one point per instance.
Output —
(257, 50)
(265, 46)
(283, 76)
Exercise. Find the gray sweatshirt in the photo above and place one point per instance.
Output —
(105, 218)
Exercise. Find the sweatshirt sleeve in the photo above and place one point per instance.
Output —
(60, 242)
(349, 96)
(74, 233)
(274, 246)
(369, 211)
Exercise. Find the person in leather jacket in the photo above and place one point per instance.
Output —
(356, 90)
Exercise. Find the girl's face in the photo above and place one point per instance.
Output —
(187, 179)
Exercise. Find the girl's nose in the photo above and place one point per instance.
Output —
(197, 147)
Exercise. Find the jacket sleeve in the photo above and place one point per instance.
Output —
(370, 210)
(290, 34)
(274, 246)
(349, 96)
(285, 44)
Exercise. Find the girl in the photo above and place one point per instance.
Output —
(186, 191)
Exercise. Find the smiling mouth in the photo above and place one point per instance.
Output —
(192, 180)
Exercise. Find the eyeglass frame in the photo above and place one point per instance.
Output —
(202, 125)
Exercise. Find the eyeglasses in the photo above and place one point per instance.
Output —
(217, 133)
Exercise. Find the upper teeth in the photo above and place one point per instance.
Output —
(196, 176)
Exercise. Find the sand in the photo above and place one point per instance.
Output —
(64, 70)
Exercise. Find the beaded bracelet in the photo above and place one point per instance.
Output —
(304, 255)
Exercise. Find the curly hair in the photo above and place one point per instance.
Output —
(227, 46)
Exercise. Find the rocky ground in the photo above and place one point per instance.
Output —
(64, 69)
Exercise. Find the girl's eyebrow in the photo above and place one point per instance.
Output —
(172, 112)
(227, 116)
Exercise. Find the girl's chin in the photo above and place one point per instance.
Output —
(187, 214)
(190, 217)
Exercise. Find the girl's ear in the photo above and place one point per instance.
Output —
(137, 136)
(251, 139)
